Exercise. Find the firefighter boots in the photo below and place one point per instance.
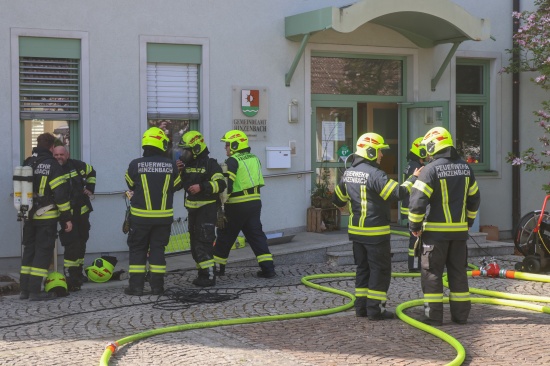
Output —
(220, 271)
(24, 287)
(266, 274)
(135, 284)
(385, 315)
(360, 307)
(205, 278)
(156, 280)
(35, 285)
(379, 312)
(74, 281)
(82, 275)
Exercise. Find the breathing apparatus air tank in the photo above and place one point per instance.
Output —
(17, 187)
(26, 190)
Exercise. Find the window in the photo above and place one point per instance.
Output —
(472, 112)
(49, 90)
(356, 76)
(173, 89)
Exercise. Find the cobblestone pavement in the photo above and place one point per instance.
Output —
(74, 330)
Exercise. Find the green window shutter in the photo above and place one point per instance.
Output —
(174, 53)
(49, 47)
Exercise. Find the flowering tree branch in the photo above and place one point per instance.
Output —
(533, 55)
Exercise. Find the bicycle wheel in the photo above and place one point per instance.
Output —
(525, 239)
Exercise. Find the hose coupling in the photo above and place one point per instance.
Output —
(112, 346)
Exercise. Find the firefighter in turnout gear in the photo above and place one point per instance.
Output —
(416, 157)
(202, 179)
(447, 184)
(153, 179)
(243, 206)
(368, 192)
(82, 179)
(51, 204)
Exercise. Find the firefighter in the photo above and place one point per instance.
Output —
(202, 179)
(449, 187)
(153, 179)
(51, 204)
(368, 191)
(82, 179)
(415, 159)
(243, 206)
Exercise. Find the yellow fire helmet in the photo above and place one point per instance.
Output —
(418, 149)
(237, 140)
(56, 282)
(100, 271)
(437, 139)
(155, 137)
(194, 141)
(368, 145)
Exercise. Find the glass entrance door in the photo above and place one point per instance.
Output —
(334, 133)
(336, 127)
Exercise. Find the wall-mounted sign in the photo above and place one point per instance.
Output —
(250, 111)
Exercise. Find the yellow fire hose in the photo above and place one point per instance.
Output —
(497, 298)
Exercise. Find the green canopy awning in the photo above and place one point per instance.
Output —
(426, 23)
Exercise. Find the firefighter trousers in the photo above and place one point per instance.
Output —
(244, 217)
(75, 249)
(39, 244)
(202, 234)
(373, 274)
(436, 255)
(147, 243)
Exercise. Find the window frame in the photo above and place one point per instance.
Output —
(79, 130)
(485, 101)
(203, 123)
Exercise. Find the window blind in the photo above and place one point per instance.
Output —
(49, 88)
(172, 91)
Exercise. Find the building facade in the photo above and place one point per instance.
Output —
(303, 78)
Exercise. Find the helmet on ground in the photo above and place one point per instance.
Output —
(155, 137)
(418, 149)
(57, 283)
(368, 145)
(237, 140)
(437, 139)
(193, 141)
(100, 271)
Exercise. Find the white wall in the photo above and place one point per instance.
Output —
(246, 47)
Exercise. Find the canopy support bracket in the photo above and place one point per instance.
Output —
(452, 51)
(290, 73)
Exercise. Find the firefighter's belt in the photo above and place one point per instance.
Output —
(42, 210)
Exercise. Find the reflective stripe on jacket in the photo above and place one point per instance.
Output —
(207, 173)
(154, 179)
(449, 187)
(368, 191)
(49, 186)
(244, 171)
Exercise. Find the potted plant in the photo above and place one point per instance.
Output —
(321, 195)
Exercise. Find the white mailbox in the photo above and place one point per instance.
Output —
(278, 157)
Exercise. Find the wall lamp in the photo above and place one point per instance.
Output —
(293, 111)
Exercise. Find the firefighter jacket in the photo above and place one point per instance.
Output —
(448, 185)
(368, 191)
(153, 179)
(413, 164)
(207, 173)
(244, 171)
(80, 176)
(49, 188)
